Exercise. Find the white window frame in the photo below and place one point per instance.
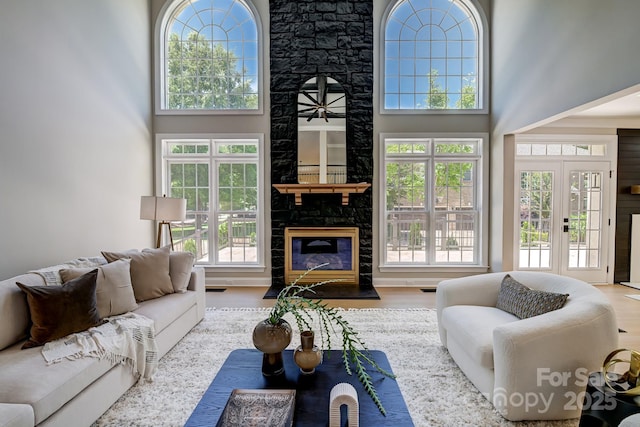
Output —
(477, 14)
(481, 195)
(160, 66)
(162, 185)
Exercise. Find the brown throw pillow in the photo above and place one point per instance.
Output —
(149, 272)
(114, 292)
(57, 311)
(524, 302)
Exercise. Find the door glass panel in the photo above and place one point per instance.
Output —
(585, 219)
(536, 198)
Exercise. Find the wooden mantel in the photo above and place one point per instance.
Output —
(300, 189)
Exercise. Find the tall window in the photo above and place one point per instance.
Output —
(210, 56)
(220, 178)
(431, 199)
(432, 56)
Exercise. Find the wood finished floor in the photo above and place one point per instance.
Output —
(627, 309)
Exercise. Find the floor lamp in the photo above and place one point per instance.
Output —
(163, 209)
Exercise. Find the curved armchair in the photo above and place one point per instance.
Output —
(534, 368)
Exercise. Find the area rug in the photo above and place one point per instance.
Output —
(436, 392)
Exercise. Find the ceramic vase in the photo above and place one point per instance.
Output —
(307, 356)
(271, 340)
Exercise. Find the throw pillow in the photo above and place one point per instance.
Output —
(57, 311)
(180, 266)
(524, 302)
(114, 292)
(149, 272)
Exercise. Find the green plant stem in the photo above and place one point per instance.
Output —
(354, 350)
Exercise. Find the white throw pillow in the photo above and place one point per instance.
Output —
(114, 291)
(149, 272)
(180, 266)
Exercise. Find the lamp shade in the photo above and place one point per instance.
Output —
(163, 208)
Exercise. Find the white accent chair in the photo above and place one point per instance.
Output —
(534, 368)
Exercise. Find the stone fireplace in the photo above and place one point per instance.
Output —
(334, 38)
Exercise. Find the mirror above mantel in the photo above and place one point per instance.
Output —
(322, 141)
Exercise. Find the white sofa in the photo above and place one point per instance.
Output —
(77, 392)
(533, 368)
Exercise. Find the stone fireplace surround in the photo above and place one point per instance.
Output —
(333, 38)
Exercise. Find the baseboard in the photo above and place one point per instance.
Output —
(633, 285)
(230, 282)
(406, 283)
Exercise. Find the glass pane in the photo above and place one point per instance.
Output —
(523, 150)
(536, 201)
(206, 56)
(189, 173)
(455, 236)
(407, 237)
(191, 235)
(452, 147)
(455, 188)
(237, 238)
(585, 219)
(428, 40)
(405, 185)
(224, 175)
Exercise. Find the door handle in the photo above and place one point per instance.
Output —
(566, 228)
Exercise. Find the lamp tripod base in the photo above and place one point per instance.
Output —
(159, 238)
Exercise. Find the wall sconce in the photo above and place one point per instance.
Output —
(635, 189)
(163, 209)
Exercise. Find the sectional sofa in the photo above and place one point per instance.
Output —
(164, 287)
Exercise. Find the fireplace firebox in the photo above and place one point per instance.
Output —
(334, 249)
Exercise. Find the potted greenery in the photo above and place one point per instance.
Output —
(355, 354)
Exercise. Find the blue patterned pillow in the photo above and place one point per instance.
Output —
(524, 302)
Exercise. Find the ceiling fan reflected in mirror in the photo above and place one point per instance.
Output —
(321, 97)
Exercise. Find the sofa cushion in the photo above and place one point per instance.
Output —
(14, 311)
(472, 326)
(180, 266)
(167, 309)
(26, 378)
(16, 415)
(149, 272)
(520, 300)
(57, 311)
(114, 292)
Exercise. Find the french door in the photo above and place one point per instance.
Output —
(563, 218)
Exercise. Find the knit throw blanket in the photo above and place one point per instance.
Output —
(128, 338)
(51, 275)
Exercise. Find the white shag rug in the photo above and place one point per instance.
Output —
(437, 393)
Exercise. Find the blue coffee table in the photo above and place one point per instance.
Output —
(242, 369)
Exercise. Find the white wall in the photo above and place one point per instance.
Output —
(75, 129)
(550, 57)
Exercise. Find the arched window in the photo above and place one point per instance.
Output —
(210, 56)
(432, 56)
